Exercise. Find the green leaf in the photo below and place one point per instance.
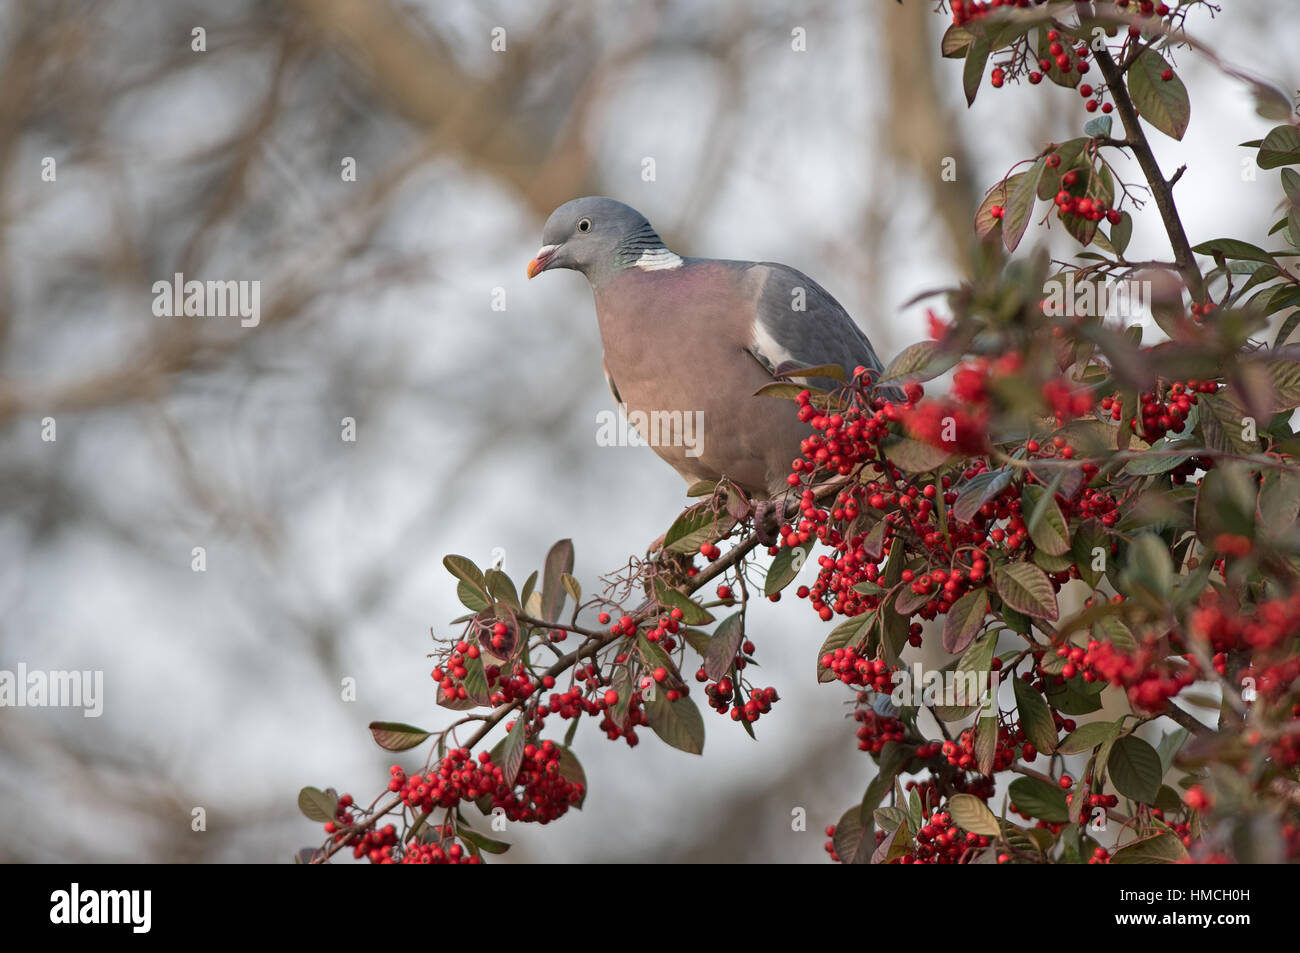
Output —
(1035, 716)
(1170, 745)
(1291, 185)
(1279, 502)
(1039, 799)
(849, 632)
(869, 588)
(897, 844)
(874, 544)
(1159, 849)
(1284, 381)
(782, 389)
(1155, 463)
(698, 524)
(977, 56)
(1162, 103)
(1089, 736)
(977, 659)
(1071, 698)
(692, 612)
(893, 758)
(907, 602)
(395, 736)
(511, 753)
(724, 645)
(1220, 424)
(526, 595)
(571, 771)
(1226, 502)
(1149, 567)
(471, 598)
(1112, 630)
(678, 723)
(622, 684)
(785, 567)
(501, 588)
(833, 371)
(956, 41)
(559, 563)
(572, 587)
(465, 570)
(1061, 77)
(1098, 126)
(854, 841)
(972, 814)
(1020, 205)
(1026, 588)
(1099, 185)
(476, 688)
(652, 654)
(1044, 520)
(1280, 147)
(1135, 769)
(318, 806)
(1071, 154)
(964, 621)
(915, 812)
(914, 456)
(1270, 102)
(985, 223)
(889, 819)
(1051, 564)
(986, 743)
(977, 491)
(921, 361)
(481, 841)
(1234, 249)
(1121, 232)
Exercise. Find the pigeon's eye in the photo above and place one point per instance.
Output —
(584, 225)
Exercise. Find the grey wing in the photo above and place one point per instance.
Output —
(797, 321)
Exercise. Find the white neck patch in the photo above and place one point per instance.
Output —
(658, 259)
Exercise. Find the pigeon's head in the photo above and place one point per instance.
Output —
(596, 236)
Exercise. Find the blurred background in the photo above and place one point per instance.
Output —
(225, 154)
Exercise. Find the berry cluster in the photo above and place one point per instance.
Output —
(1067, 402)
(946, 424)
(877, 730)
(1161, 413)
(1273, 622)
(961, 753)
(450, 675)
(851, 668)
(540, 792)
(1066, 60)
(444, 850)
(1147, 673)
(939, 841)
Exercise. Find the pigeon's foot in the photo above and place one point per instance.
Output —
(767, 520)
(669, 566)
(673, 567)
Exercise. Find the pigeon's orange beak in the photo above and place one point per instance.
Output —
(544, 256)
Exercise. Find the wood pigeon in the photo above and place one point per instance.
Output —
(694, 338)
